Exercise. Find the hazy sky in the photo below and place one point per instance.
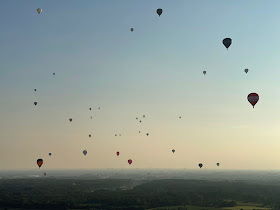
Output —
(155, 70)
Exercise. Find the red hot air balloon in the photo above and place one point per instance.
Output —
(129, 161)
(253, 98)
(70, 119)
(40, 162)
(45, 174)
(89, 135)
(118, 153)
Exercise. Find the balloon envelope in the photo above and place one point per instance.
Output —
(35, 103)
(70, 119)
(200, 165)
(159, 12)
(173, 150)
(204, 72)
(246, 70)
(218, 164)
(129, 161)
(39, 10)
(85, 152)
(253, 98)
(118, 153)
(227, 42)
(40, 162)
(132, 29)
(50, 154)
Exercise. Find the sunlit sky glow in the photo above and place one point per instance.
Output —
(155, 70)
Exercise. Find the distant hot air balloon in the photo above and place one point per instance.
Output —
(35, 90)
(180, 117)
(200, 165)
(173, 150)
(89, 108)
(140, 121)
(35, 103)
(91, 117)
(39, 10)
(204, 72)
(116, 135)
(40, 162)
(147, 134)
(45, 174)
(159, 12)
(139, 131)
(218, 164)
(136, 118)
(53, 73)
(89, 135)
(246, 70)
(118, 153)
(85, 152)
(132, 29)
(129, 161)
(253, 98)
(227, 42)
(144, 116)
(50, 154)
(70, 119)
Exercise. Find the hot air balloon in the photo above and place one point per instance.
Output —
(91, 117)
(129, 161)
(40, 162)
(85, 152)
(200, 165)
(89, 135)
(204, 72)
(253, 98)
(173, 150)
(35, 90)
(140, 121)
(180, 117)
(89, 108)
(147, 134)
(227, 42)
(136, 118)
(50, 154)
(35, 103)
(246, 70)
(159, 12)
(116, 135)
(144, 116)
(53, 73)
(70, 119)
(39, 10)
(218, 164)
(118, 153)
(45, 174)
(132, 29)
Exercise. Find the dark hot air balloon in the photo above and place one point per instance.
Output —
(200, 165)
(35, 103)
(118, 153)
(39, 10)
(204, 72)
(159, 12)
(129, 161)
(85, 152)
(218, 164)
(253, 98)
(40, 162)
(89, 135)
(132, 29)
(246, 70)
(227, 42)
(70, 119)
(173, 150)
(50, 154)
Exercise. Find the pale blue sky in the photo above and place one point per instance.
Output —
(156, 70)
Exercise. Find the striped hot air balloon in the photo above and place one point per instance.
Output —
(253, 98)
